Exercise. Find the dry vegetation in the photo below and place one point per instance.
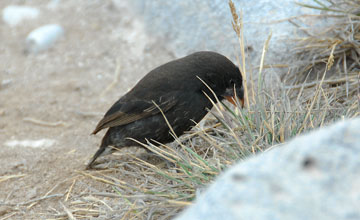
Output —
(323, 88)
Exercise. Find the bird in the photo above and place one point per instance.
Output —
(178, 91)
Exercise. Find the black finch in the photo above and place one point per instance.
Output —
(177, 88)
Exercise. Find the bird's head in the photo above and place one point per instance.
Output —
(234, 88)
(218, 75)
(226, 84)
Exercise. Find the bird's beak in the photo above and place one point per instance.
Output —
(231, 99)
(231, 94)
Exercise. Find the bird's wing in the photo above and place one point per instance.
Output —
(125, 112)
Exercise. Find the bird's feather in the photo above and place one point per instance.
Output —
(122, 113)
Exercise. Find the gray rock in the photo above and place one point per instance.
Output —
(315, 176)
(192, 25)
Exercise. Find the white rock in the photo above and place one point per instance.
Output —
(5, 82)
(43, 38)
(315, 176)
(14, 14)
(41, 143)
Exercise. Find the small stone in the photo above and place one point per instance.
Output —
(14, 14)
(43, 38)
(41, 143)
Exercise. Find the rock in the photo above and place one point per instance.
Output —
(41, 143)
(14, 14)
(43, 38)
(315, 176)
(5, 82)
(192, 25)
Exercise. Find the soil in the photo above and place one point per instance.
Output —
(60, 94)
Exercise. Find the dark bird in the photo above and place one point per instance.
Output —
(177, 88)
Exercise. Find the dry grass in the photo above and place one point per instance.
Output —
(332, 51)
(322, 89)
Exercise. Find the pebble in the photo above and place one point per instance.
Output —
(41, 143)
(13, 15)
(42, 38)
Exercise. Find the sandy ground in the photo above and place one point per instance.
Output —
(63, 87)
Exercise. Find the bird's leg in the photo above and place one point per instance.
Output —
(102, 151)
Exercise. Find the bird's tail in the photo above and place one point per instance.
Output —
(102, 151)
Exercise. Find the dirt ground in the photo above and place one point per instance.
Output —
(59, 95)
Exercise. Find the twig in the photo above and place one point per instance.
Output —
(46, 194)
(33, 200)
(4, 178)
(69, 191)
(181, 203)
(88, 114)
(68, 212)
(6, 217)
(346, 76)
(92, 198)
(114, 195)
(44, 123)
(238, 27)
(330, 81)
(265, 48)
